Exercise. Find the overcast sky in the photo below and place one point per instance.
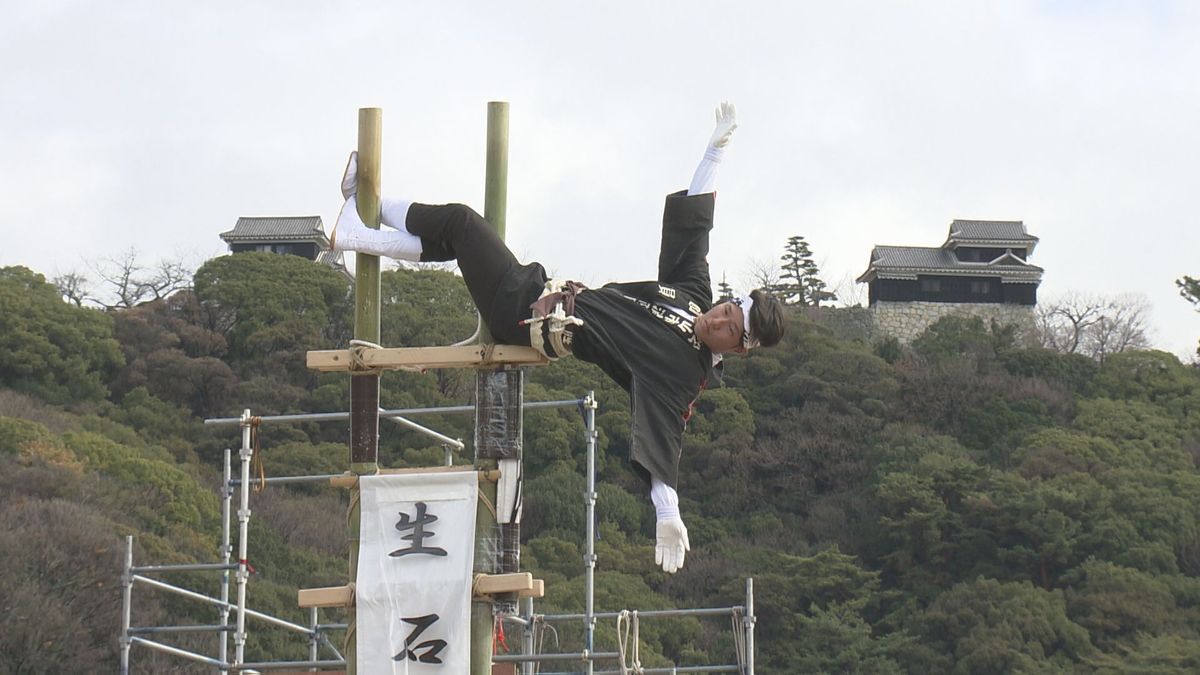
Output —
(156, 124)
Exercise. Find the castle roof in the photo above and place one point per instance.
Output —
(908, 262)
(990, 233)
(277, 229)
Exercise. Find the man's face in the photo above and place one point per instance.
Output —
(720, 328)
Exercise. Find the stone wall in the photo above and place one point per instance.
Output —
(907, 320)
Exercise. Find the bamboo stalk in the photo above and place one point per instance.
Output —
(494, 207)
(364, 389)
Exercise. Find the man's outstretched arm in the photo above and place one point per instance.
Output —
(705, 178)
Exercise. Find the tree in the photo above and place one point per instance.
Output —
(48, 347)
(74, 288)
(131, 283)
(272, 309)
(1093, 325)
(986, 626)
(800, 283)
(1189, 289)
(762, 274)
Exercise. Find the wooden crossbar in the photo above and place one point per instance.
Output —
(425, 358)
(330, 596)
(349, 480)
(521, 583)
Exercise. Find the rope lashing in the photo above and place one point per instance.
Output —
(358, 365)
(627, 621)
(488, 503)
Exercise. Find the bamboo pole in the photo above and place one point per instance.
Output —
(364, 389)
(494, 207)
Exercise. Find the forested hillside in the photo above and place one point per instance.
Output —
(961, 505)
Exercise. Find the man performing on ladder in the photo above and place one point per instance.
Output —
(661, 340)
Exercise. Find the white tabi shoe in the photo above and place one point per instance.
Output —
(350, 176)
(351, 234)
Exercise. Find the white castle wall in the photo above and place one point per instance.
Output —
(907, 320)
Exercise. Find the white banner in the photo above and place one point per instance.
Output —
(413, 595)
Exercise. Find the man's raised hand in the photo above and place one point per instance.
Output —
(726, 123)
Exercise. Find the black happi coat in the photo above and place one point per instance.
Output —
(650, 351)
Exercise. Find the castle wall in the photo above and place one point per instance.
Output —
(907, 320)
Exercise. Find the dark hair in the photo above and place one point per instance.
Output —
(766, 318)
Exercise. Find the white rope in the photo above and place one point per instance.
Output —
(739, 638)
(630, 622)
(357, 364)
(475, 335)
(539, 638)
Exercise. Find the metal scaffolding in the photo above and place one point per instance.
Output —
(317, 634)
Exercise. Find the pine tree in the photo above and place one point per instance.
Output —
(801, 283)
(797, 258)
(1189, 288)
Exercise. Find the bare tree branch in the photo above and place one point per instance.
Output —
(1093, 325)
(762, 274)
(130, 283)
(74, 288)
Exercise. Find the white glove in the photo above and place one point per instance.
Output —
(350, 178)
(726, 123)
(671, 544)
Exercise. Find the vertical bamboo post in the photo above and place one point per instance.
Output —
(364, 389)
(589, 606)
(488, 393)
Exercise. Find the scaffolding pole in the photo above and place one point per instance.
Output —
(316, 631)
(126, 603)
(397, 412)
(589, 565)
(243, 571)
(226, 552)
(182, 653)
(273, 620)
(748, 622)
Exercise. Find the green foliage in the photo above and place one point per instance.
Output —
(424, 308)
(965, 505)
(720, 412)
(1073, 371)
(962, 337)
(272, 308)
(161, 497)
(1117, 605)
(49, 348)
(16, 434)
(986, 626)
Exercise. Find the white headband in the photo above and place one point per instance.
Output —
(745, 302)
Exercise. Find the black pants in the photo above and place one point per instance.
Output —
(501, 287)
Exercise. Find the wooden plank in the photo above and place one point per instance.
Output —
(491, 584)
(425, 358)
(330, 596)
(538, 590)
(349, 480)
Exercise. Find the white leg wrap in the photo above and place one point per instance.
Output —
(394, 213)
